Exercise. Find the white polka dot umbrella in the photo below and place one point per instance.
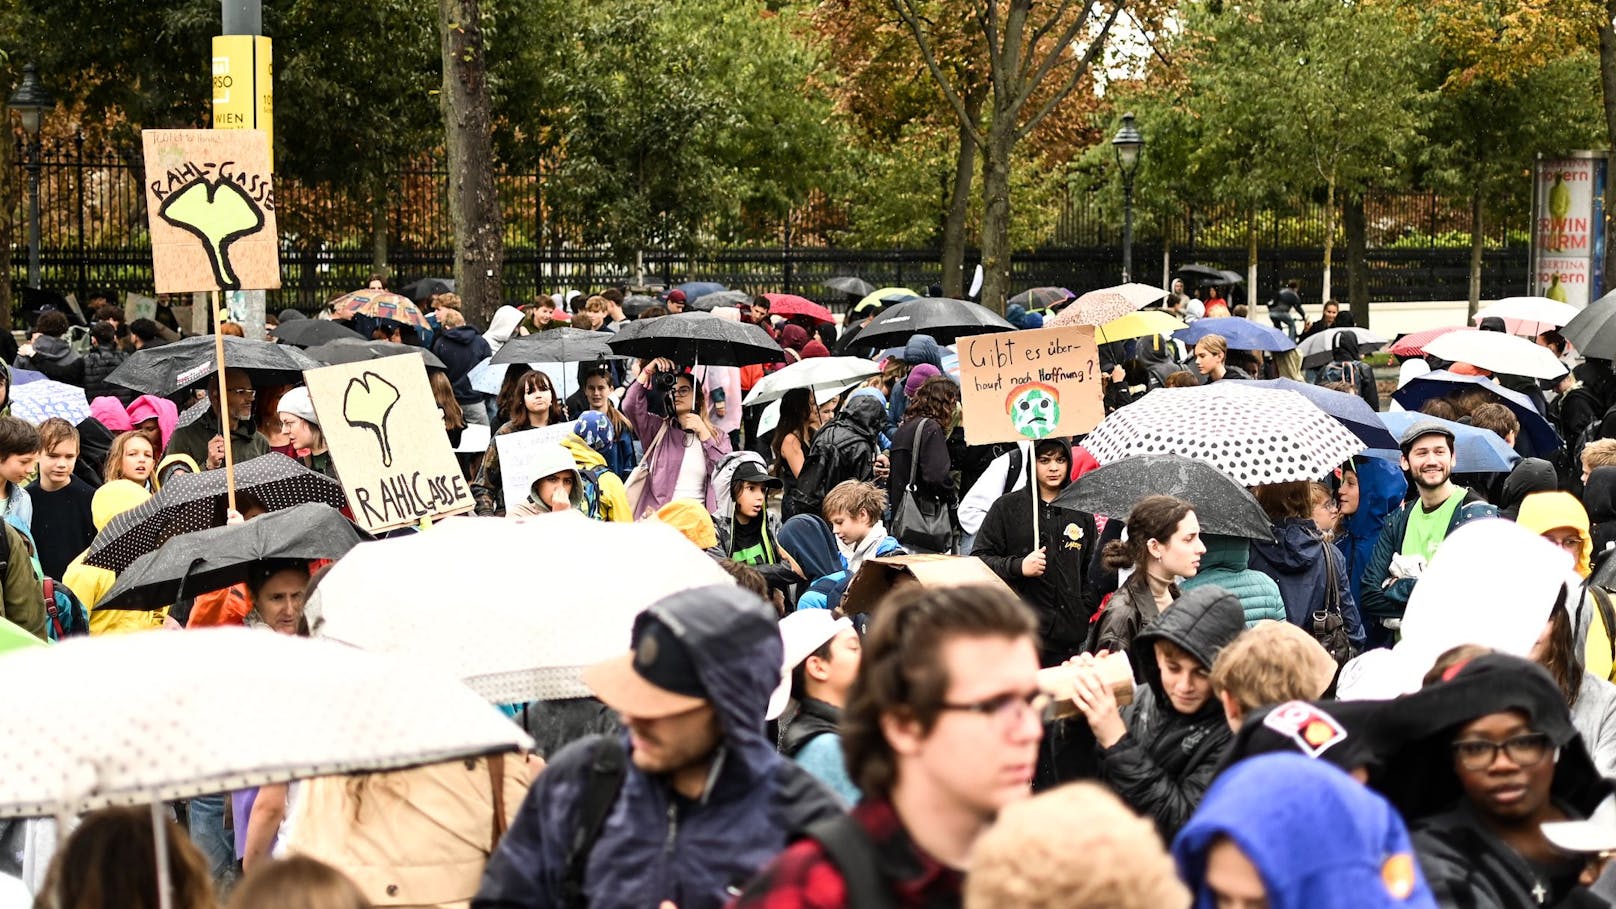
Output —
(139, 718)
(1255, 435)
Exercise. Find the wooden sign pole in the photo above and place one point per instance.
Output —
(226, 419)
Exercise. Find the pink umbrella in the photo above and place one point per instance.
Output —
(788, 305)
(1413, 345)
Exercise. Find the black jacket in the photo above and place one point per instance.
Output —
(1469, 868)
(1064, 596)
(54, 358)
(98, 364)
(844, 450)
(814, 718)
(461, 349)
(934, 478)
(1164, 764)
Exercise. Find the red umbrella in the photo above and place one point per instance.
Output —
(1413, 345)
(788, 305)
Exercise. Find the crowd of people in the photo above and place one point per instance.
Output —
(1400, 695)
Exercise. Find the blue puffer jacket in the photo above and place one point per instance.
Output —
(1295, 560)
(1226, 564)
(655, 846)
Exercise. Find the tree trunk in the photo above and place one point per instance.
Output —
(468, 136)
(959, 205)
(1607, 81)
(1329, 233)
(1357, 268)
(1251, 263)
(996, 216)
(378, 226)
(1478, 242)
(10, 176)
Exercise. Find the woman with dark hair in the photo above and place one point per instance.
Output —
(923, 439)
(1310, 572)
(530, 403)
(596, 388)
(799, 420)
(682, 445)
(110, 862)
(1164, 544)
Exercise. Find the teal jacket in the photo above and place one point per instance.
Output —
(1225, 565)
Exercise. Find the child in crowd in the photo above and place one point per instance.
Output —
(749, 535)
(19, 449)
(1274, 662)
(822, 659)
(63, 526)
(854, 510)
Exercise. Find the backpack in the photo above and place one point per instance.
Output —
(65, 615)
(822, 469)
(1340, 371)
(591, 478)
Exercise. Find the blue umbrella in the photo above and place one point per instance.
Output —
(1242, 334)
(1540, 437)
(1477, 450)
(38, 401)
(695, 290)
(1350, 411)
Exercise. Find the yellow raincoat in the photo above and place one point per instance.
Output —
(613, 497)
(1542, 512)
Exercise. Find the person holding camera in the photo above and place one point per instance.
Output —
(665, 405)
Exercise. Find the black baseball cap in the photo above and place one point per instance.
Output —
(752, 472)
(656, 679)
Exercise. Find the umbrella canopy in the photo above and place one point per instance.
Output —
(695, 290)
(1529, 316)
(1475, 450)
(171, 368)
(425, 289)
(1413, 343)
(1540, 437)
(557, 345)
(180, 733)
(355, 350)
(1242, 334)
(1351, 411)
(885, 296)
(1138, 325)
(817, 373)
(944, 319)
(214, 559)
(1255, 435)
(196, 501)
(1108, 304)
(690, 338)
(1042, 298)
(313, 332)
(39, 401)
(378, 304)
(710, 302)
(1317, 350)
(791, 305)
(546, 633)
(488, 377)
(1497, 352)
(850, 285)
(1593, 331)
(1221, 505)
(1205, 275)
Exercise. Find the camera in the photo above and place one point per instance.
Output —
(660, 399)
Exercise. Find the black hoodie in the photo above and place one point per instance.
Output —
(1164, 764)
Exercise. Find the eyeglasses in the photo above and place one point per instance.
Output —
(243, 392)
(1527, 750)
(1006, 710)
(682, 391)
(1570, 544)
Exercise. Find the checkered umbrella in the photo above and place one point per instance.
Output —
(379, 304)
(1255, 435)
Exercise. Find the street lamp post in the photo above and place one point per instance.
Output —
(1127, 143)
(31, 100)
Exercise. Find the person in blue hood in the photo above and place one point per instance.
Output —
(809, 549)
(696, 797)
(1286, 832)
(1368, 491)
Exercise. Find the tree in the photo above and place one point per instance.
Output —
(1022, 50)
(468, 138)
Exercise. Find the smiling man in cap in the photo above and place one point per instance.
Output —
(1411, 535)
(692, 800)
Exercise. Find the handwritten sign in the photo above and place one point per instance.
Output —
(212, 210)
(387, 438)
(136, 306)
(1035, 384)
(517, 454)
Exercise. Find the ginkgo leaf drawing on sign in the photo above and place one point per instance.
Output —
(218, 213)
(367, 403)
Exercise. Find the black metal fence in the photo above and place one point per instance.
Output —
(94, 236)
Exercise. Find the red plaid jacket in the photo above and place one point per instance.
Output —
(803, 876)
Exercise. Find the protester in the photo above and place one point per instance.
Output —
(940, 733)
(156, 418)
(808, 548)
(846, 448)
(693, 523)
(103, 357)
(1310, 572)
(533, 404)
(821, 661)
(298, 883)
(694, 766)
(51, 355)
(854, 511)
(557, 484)
(588, 442)
(1077, 847)
(1164, 543)
(749, 534)
(461, 348)
(1326, 843)
(920, 449)
(1045, 552)
(131, 458)
(63, 524)
(1272, 663)
(1227, 564)
(302, 427)
(1347, 366)
(919, 350)
(621, 453)
(1528, 476)
(110, 862)
(90, 584)
(684, 447)
(1368, 490)
(793, 436)
(19, 450)
(201, 440)
(1211, 359)
(502, 327)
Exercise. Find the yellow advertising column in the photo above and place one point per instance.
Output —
(243, 84)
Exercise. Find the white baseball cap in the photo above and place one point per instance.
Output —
(802, 632)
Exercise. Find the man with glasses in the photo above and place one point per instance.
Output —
(941, 730)
(203, 441)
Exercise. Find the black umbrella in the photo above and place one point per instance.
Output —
(196, 501)
(1593, 331)
(1204, 273)
(214, 559)
(311, 332)
(1221, 505)
(853, 287)
(690, 338)
(944, 319)
(175, 367)
(558, 345)
(424, 289)
(355, 350)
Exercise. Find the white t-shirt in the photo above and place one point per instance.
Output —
(692, 480)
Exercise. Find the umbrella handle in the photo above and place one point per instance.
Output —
(179, 595)
(165, 886)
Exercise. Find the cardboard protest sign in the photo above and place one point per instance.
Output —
(387, 439)
(137, 306)
(1017, 385)
(517, 451)
(211, 210)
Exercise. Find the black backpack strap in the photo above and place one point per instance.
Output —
(607, 767)
(850, 850)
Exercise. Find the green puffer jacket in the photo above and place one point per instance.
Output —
(1224, 565)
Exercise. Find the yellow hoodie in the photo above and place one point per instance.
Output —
(613, 497)
(90, 583)
(1542, 512)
